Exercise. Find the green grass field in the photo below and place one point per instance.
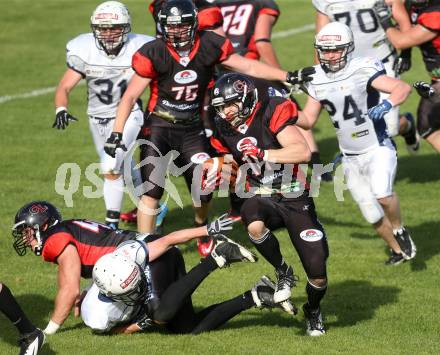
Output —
(369, 308)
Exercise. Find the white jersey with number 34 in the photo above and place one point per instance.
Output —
(107, 77)
(370, 39)
(347, 96)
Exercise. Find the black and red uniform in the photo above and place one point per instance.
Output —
(209, 16)
(239, 20)
(176, 95)
(428, 117)
(279, 197)
(91, 239)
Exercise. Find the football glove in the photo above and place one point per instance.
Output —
(403, 62)
(377, 112)
(250, 150)
(424, 89)
(300, 76)
(383, 14)
(223, 223)
(62, 118)
(144, 322)
(114, 142)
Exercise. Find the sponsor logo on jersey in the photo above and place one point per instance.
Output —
(244, 141)
(185, 76)
(360, 134)
(130, 278)
(311, 235)
(199, 158)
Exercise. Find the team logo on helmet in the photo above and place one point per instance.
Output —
(239, 86)
(216, 91)
(106, 16)
(174, 11)
(244, 141)
(330, 38)
(185, 76)
(35, 209)
(130, 278)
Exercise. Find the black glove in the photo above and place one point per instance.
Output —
(62, 119)
(219, 225)
(424, 89)
(403, 63)
(144, 322)
(300, 76)
(114, 142)
(383, 14)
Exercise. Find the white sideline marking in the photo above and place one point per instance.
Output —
(43, 91)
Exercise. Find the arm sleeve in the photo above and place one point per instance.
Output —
(210, 18)
(320, 5)
(285, 114)
(430, 20)
(218, 145)
(143, 65)
(55, 245)
(73, 60)
(269, 7)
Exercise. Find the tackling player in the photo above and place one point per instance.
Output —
(179, 67)
(103, 59)
(259, 131)
(75, 246)
(425, 34)
(130, 293)
(348, 88)
(31, 338)
(370, 41)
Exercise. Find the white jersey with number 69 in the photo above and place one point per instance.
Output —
(347, 95)
(107, 77)
(370, 39)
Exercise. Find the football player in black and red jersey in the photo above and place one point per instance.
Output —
(259, 131)
(425, 34)
(178, 67)
(76, 245)
(209, 16)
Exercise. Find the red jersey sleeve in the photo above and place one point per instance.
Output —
(218, 145)
(210, 18)
(285, 114)
(143, 66)
(55, 245)
(430, 20)
(226, 50)
(269, 7)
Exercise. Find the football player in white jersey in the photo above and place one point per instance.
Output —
(348, 88)
(103, 59)
(371, 41)
(136, 288)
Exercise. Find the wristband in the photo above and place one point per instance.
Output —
(59, 109)
(51, 327)
(265, 155)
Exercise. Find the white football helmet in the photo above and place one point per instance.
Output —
(119, 278)
(334, 36)
(111, 24)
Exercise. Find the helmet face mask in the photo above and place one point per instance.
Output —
(120, 278)
(234, 98)
(334, 45)
(30, 221)
(178, 22)
(111, 24)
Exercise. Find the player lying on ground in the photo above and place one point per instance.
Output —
(130, 293)
(31, 338)
(348, 88)
(75, 246)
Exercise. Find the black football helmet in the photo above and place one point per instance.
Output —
(238, 89)
(35, 216)
(178, 22)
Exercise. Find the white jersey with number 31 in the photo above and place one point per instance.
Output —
(370, 39)
(347, 96)
(107, 77)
